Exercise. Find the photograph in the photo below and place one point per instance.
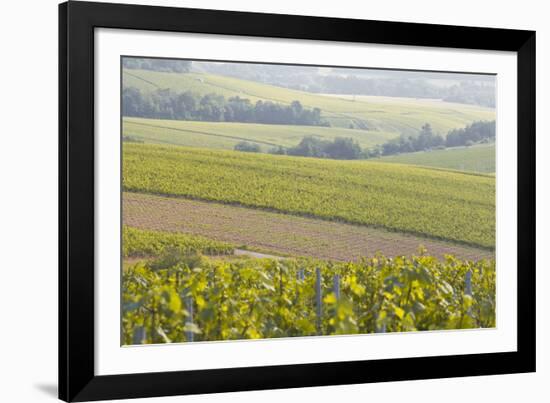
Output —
(272, 200)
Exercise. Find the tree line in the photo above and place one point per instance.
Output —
(341, 148)
(464, 92)
(344, 148)
(471, 93)
(166, 104)
(477, 132)
(166, 65)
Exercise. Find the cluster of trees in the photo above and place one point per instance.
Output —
(245, 146)
(166, 104)
(425, 140)
(477, 132)
(471, 93)
(344, 148)
(341, 148)
(168, 65)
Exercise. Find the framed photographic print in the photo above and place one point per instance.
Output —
(258, 201)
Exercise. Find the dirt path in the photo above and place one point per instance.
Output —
(278, 233)
(243, 252)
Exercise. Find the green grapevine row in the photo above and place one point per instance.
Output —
(139, 243)
(201, 299)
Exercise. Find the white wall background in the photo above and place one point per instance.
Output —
(28, 198)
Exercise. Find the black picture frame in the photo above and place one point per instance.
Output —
(77, 379)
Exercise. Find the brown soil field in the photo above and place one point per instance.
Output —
(279, 234)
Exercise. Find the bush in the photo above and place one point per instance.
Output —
(131, 139)
(341, 148)
(247, 147)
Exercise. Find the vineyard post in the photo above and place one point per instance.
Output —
(189, 335)
(153, 323)
(468, 287)
(468, 283)
(337, 286)
(139, 336)
(318, 298)
(381, 329)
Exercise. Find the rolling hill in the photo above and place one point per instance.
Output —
(224, 135)
(478, 158)
(400, 116)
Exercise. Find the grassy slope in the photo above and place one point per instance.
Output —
(480, 158)
(395, 115)
(225, 135)
(447, 205)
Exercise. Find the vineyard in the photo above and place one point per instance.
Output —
(223, 244)
(274, 233)
(143, 243)
(198, 299)
(438, 204)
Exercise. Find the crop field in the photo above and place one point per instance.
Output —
(439, 204)
(202, 300)
(388, 116)
(224, 135)
(142, 243)
(274, 233)
(478, 158)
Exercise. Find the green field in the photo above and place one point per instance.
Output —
(447, 205)
(224, 135)
(401, 116)
(479, 158)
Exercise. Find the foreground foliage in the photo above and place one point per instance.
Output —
(199, 299)
(446, 205)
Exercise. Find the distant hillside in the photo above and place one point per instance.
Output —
(390, 115)
(473, 89)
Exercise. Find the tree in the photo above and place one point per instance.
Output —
(309, 146)
(423, 141)
(343, 149)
